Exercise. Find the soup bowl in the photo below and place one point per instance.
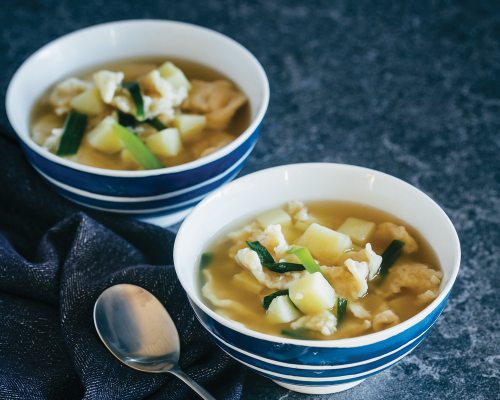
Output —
(163, 195)
(315, 366)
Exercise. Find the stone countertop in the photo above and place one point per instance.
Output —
(411, 90)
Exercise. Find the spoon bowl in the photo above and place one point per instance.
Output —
(138, 331)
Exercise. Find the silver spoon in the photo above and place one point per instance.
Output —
(137, 330)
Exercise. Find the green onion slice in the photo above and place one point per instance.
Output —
(390, 255)
(138, 149)
(266, 301)
(206, 259)
(341, 309)
(135, 92)
(305, 257)
(267, 260)
(156, 123)
(74, 128)
(126, 120)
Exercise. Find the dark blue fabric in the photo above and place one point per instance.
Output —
(54, 262)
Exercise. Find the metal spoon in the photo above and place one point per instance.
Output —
(137, 330)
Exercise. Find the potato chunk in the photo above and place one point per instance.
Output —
(165, 143)
(281, 310)
(190, 125)
(312, 293)
(324, 243)
(274, 217)
(357, 229)
(89, 102)
(104, 138)
(174, 75)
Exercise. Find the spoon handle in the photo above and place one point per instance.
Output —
(192, 384)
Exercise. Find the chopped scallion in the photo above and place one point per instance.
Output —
(74, 128)
(389, 256)
(156, 123)
(135, 92)
(138, 149)
(267, 260)
(206, 259)
(266, 301)
(305, 257)
(341, 309)
(126, 120)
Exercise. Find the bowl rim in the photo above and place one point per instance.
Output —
(230, 147)
(356, 341)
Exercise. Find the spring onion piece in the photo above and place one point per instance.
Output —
(390, 255)
(126, 120)
(305, 257)
(138, 149)
(282, 267)
(74, 128)
(135, 92)
(341, 309)
(156, 123)
(264, 256)
(266, 301)
(304, 334)
(206, 259)
(267, 260)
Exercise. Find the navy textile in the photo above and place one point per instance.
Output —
(54, 263)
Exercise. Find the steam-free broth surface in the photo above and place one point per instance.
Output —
(241, 299)
(201, 145)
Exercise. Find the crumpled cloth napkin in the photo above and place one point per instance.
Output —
(55, 260)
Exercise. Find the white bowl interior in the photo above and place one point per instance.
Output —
(131, 39)
(263, 190)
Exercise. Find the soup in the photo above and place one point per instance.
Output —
(325, 270)
(140, 114)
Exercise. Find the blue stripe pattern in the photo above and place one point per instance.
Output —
(227, 166)
(385, 351)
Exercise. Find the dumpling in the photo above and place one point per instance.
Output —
(387, 232)
(324, 322)
(414, 276)
(218, 100)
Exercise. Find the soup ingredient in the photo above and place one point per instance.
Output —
(206, 259)
(323, 322)
(135, 92)
(108, 83)
(156, 123)
(267, 259)
(341, 309)
(267, 300)
(104, 138)
(281, 310)
(249, 259)
(88, 102)
(273, 217)
(357, 229)
(324, 243)
(190, 126)
(63, 93)
(384, 320)
(136, 147)
(74, 127)
(414, 276)
(218, 100)
(389, 231)
(165, 143)
(305, 258)
(174, 76)
(390, 255)
(312, 293)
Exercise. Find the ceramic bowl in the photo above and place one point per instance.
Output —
(164, 195)
(310, 366)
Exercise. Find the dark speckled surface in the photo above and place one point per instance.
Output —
(411, 90)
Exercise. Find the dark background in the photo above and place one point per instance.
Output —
(411, 89)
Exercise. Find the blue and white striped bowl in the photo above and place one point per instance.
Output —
(161, 196)
(302, 365)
